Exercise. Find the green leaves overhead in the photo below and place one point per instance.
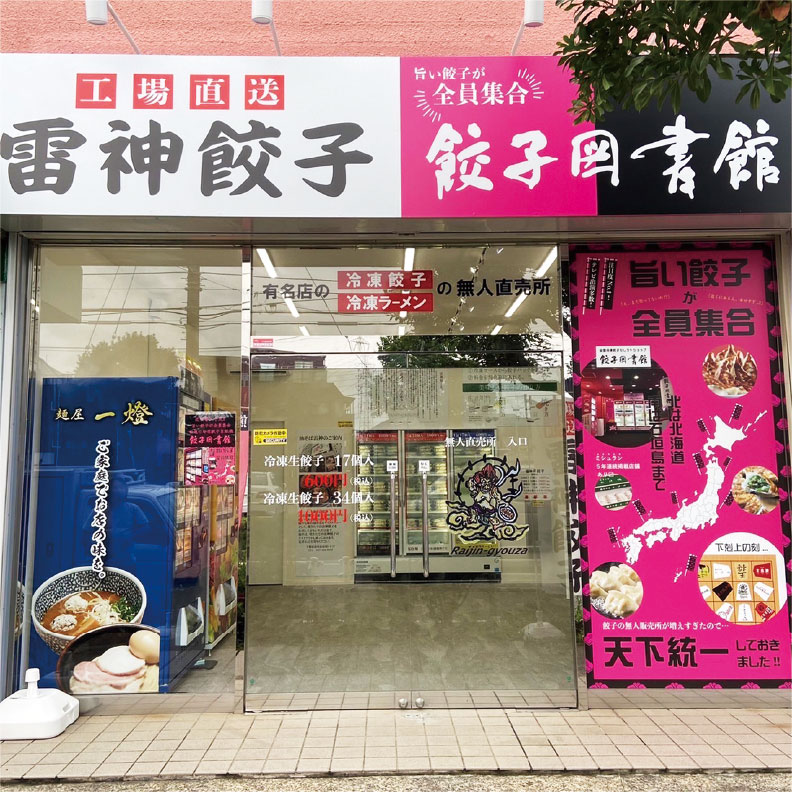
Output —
(628, 53)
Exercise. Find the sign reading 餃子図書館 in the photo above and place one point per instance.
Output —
(367, 137)
(685, 498)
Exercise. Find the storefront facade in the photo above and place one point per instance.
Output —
(389, 363)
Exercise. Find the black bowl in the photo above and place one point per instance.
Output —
(90, 645)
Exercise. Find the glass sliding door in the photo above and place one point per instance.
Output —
(407, 504)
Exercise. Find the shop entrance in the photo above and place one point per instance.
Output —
(407, 516)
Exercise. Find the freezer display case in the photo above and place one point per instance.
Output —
(374, 512)
(403, 491)
(428, 447)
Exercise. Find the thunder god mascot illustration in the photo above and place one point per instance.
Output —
(482, 510)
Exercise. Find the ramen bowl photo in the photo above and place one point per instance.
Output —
(77, 601)
(120, 658)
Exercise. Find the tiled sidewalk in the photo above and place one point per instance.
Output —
(384, 742)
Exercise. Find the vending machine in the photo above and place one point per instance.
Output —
(406, 485)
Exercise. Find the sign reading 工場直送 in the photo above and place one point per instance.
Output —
(369, 137)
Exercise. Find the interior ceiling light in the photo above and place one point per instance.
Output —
(515, 305)
(96, 14)
(533, 16)
(409, 259)
(304, 330)
(261, 14)
(291, 306)
(547, 263)
(496, 329)
(267, 262)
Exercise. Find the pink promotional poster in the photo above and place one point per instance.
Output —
(494, 137)
(683, 470)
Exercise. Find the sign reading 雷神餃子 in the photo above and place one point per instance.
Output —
(685, 498)
(368, 137)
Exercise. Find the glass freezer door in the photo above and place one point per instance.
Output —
(431, 447)
(374, 528)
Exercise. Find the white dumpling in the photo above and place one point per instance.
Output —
(634, 592)
(599, 581)
(619, 604)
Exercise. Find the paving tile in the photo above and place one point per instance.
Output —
(380, 764)
(12, 772)
(44, 771)
(513, 763)
(380, 751)
(247, 766)
(316, 765)
(348, 751)
(179, 768)
(145, 768)
(546, 763)
(346, 765)
(413, 763)
(613, 763)
(446, 763)
(78, 771)
(111, 770)
(578, 763)
(213, 767)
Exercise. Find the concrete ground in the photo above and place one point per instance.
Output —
(386, 742)
(676, 782)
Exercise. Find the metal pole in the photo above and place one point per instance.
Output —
(123, 28)
(518, 39)
(275, 38)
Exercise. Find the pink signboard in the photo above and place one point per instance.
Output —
(682, 436)
(210, 448)
(494, 137)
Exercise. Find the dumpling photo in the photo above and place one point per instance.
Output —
(616, 590)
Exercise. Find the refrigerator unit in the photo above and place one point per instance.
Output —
(404, 487)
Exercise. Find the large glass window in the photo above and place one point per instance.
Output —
(129, 573)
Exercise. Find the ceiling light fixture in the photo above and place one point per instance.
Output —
(409, 259)
(548, 262)
(261, 14)
(496, 329)
(402, 330)
(267, 262)
(96, 14)
(533, 16)
(291, 306)
(515, 305)
(304, 330)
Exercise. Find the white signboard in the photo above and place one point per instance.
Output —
(624, 357)
(200, 136)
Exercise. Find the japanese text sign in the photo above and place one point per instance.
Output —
(368, 137)
(491, 136)
(685, 497)
(201, 136)
(210, 440)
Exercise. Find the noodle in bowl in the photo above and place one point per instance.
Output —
(84, 581)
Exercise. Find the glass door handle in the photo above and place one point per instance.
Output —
(393, 525)
(425, 524)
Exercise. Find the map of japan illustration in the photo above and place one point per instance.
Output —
(701, 512)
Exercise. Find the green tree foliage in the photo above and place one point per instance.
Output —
(450, 351)
(627, 53)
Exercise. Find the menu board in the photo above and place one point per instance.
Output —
(685, 513)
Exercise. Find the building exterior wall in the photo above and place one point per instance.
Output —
(304, 27)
